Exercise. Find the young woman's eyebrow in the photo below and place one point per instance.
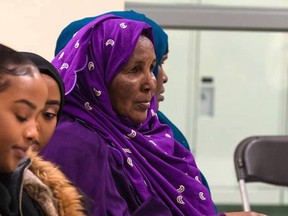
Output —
(26, 102)
(53, 102)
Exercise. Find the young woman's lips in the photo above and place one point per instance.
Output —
(19, 152)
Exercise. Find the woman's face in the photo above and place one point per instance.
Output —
(21, 105)
(162, 78)
(134, 86)
(48, 120)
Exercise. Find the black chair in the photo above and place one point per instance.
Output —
(261, 159)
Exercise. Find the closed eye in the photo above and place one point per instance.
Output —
(21, 118)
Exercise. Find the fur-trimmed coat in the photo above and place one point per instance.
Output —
(49, 187)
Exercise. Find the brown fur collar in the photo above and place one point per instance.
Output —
(40, 193)
(67, 196)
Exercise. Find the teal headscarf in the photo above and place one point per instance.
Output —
(160, 42)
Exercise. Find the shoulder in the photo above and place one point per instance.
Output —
(75, 129)
(49, 177)
(74, 134)
(72, 142)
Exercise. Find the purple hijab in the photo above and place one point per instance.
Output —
(155, 164)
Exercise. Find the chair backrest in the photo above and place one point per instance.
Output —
(261, 159)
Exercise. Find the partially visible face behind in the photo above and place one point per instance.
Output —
(134, 86)
(162, 78)
(21, 104)
(48, 119)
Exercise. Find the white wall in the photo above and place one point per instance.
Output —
(34, 25)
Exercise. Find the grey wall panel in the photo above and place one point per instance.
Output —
(174, 16)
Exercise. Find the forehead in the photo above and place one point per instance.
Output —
(144, 42)
(53, 87)
(144, 47)
(7, 74)
(49, 80)
(23, 82)
(32, 88)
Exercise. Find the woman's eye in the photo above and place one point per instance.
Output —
(162, 63)
(49, 115)
(21, 118)
(134, 70)
(152, 67)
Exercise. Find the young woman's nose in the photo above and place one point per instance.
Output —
(32, 132)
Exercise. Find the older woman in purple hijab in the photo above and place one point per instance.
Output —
(109, 141)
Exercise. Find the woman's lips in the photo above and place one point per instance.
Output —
(20, 152)
(161, 97)
(144, 105)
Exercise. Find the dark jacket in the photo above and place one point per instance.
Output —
(12, 194)
(38, 188)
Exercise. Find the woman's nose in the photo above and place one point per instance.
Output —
(32, 133)
(165, 77)
(150, 82)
